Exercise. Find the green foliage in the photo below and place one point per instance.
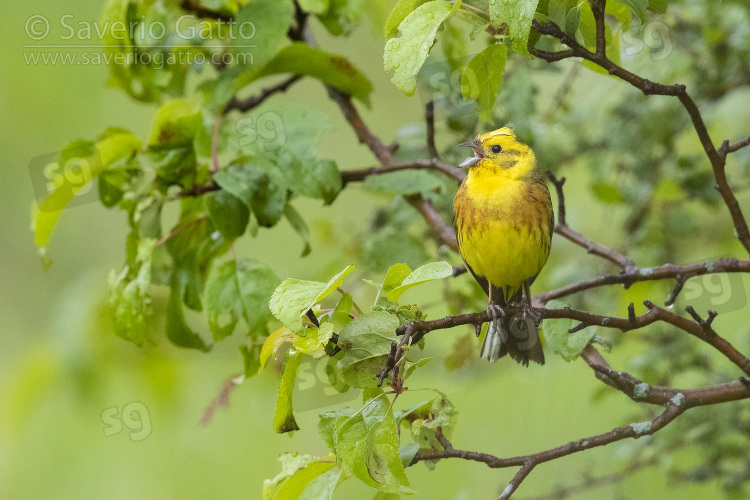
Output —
(407, 53)
(222, 174)
(517, 16)
(556, 335)
(483, 78)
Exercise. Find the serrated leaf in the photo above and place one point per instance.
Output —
(423, 274)
(301, 59)
(399, 12)
(482, 79)
(567, 345)
(238, 289)
(367, 446)
(408, 52)
(293, 297)
(517, 14)
(366, 342)
(302, 477)
(283, 415)
(328, 423)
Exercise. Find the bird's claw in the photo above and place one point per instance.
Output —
(528, 311)
(495, 311)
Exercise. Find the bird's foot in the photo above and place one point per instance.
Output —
(495, 311)
(529, 312)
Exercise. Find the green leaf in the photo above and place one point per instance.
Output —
(311, 177)
(407, 53)
(403, 182)
(658, 6)
(567, 345)
(517, 14)
(395, 275)
(314, 6)
(424, 419)
(608, 193)
(482, 79)
(637, 6)
(259, 184)
(323, 486)
(272, 344)
(367, 446)
(314, 340)
(292, 298)
(566, 14)
(271, 20)
(300, 477)
(301, 59)
(340, 314)
(329, 421)
(366, 342)
(238, 289)
(383, 457)
(178, 331)
(228, 214)
(175, 122)
(299, 225)
(283, 416)
(250, 359)
(130, 297)
(423, 274)
(91, 160)
(402, 9)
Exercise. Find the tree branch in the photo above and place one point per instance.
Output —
(717, 159)
(562, 228)
(636, 274)
(245, 105)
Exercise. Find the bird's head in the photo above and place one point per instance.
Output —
(499, 149)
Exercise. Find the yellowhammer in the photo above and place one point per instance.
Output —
(504, 221)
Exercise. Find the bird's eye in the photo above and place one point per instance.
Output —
(496, 148)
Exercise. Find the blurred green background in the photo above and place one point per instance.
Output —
(61, 366)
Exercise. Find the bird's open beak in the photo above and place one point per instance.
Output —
(478, 153)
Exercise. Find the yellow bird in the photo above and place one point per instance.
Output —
(504, 222)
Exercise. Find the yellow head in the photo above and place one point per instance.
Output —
(500, 152)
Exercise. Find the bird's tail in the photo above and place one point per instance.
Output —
(516, 336)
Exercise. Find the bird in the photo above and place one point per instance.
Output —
(504, 220)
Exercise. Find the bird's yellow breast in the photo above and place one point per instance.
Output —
(503, 225)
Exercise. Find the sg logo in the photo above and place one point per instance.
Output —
(718, 290)
(134, 416)
(268, 126)
(54, 173)
(312, 389)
